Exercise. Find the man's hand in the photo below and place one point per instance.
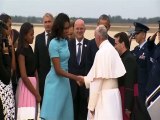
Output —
(128, 113)
(153, 36)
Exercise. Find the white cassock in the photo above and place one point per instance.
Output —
(104, 97)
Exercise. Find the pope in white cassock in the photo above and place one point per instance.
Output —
(104, 97)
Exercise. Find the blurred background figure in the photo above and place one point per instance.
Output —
(15, 36)
(92, 47)
(71, 35)
(41, 51)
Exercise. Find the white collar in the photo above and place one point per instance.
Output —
(141, 45)
(46, 33)
(102, 44)
(79, 42)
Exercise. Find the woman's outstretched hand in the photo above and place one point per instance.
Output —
(80, 80)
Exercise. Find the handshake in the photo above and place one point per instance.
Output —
(80, 80)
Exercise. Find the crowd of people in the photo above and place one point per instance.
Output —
(73, 78)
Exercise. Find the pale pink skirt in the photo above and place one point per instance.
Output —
(26, 101)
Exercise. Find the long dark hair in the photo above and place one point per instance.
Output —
(58, 25)
(25, 28)
(4, 17)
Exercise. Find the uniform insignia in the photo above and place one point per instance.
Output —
(142, 57)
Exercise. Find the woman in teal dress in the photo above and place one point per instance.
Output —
(57, 101)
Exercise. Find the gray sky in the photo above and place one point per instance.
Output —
(82, 8)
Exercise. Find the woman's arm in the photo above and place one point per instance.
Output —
(22, 68)
(61, 72)
(36, 75)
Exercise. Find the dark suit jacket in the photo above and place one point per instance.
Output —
(42, 60)
(73, 66)
(154, 75)
(91, 52)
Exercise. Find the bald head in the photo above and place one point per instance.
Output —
(79, 29)
(79, 22)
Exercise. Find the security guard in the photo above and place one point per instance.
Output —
(142, 57)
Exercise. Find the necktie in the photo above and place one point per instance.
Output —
(79, 53)
(48, 39)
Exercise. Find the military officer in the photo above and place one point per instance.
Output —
(142, 57)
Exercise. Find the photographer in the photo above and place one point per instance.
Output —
(12, 37)
(7, 109)
(5, 68)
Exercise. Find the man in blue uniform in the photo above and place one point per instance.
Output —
(142, 57)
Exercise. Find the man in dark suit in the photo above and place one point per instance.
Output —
(41, 52)
(92, 47)
(77, 63)
(126, 82)
(142, 57)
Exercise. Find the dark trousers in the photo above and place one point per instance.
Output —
(142, 91)
(80, 103)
